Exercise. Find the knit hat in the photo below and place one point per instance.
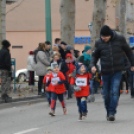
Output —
(31, 53)
(47, 43)
(69, 55)
(106, 31)
(53, 65)
(49, 69)
(63, 43)
(87, 47)
(6, 43)
(78, 66)
(69, 47)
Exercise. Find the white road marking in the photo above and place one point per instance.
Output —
(27, 131)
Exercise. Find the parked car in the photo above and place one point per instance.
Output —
(22, 75)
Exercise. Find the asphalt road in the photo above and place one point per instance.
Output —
(33, 118)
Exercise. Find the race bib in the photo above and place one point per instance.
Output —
(81, 82)
(55, 79)
(47, 79)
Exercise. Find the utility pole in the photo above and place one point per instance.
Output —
(2, 21)
(48, 20)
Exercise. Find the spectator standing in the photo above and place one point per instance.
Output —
(30, 68)
(70, 49)
(47, 50)
(110, 48)
(5, 70)
(41, 66)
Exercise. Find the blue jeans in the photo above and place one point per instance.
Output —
(131, 81)
(96, 86)
(91, 87)
(48, 94)
(82, 104)
(111, 84)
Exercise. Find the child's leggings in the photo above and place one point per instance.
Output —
(54, 98)
(82, 104)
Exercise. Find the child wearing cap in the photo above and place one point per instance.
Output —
(48, 90)
(57, 80)
(80, 84)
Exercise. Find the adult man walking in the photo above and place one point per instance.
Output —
(5, 70)
(109, 48)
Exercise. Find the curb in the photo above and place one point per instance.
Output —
(23, 99)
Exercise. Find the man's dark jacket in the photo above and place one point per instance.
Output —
(111, 54)
(62, 52)
(5, 59)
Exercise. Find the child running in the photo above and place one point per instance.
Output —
(81, 86)
(57, 80)
(45, 81)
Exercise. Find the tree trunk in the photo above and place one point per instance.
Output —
(67, 10)
(99, 14)
(122, 25)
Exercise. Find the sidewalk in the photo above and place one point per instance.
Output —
(23, 92)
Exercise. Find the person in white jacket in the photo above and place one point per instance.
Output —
(30, 68)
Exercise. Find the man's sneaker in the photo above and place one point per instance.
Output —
(64, 111)
(80, 117)
(52, 113)
(111, 118)
(132, 96)
(107, 117)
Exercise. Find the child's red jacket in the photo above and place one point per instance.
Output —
(81, 81)
(59, 88)
(45, 81)
(71, 66)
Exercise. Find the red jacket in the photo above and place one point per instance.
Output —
(59, 88)
(71, 66)
(45, 81)
(82, 81)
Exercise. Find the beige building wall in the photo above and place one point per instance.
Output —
(25, 25)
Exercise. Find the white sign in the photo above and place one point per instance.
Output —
(55, 79)
(81, 82)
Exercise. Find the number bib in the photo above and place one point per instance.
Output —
(55, 79)
(81, 82)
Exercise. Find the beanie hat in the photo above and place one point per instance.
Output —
(78, 66)
(6, 43)
(87, 47)
(69, 47)
(69, 55)
(53, 65)
(106, 31)
(63, 43)
(31, 53)
(49, 69)
(47, 43)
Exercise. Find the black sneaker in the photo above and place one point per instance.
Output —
(132, 96)
(111, 118)
(107, 117)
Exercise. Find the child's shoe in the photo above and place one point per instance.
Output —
(52, 113)
(64, 111)
(121, 91)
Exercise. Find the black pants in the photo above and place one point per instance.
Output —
(40, 83)
(31, 78)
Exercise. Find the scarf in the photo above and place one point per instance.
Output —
(86, 56)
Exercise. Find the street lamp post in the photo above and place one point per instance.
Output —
(48, 20)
